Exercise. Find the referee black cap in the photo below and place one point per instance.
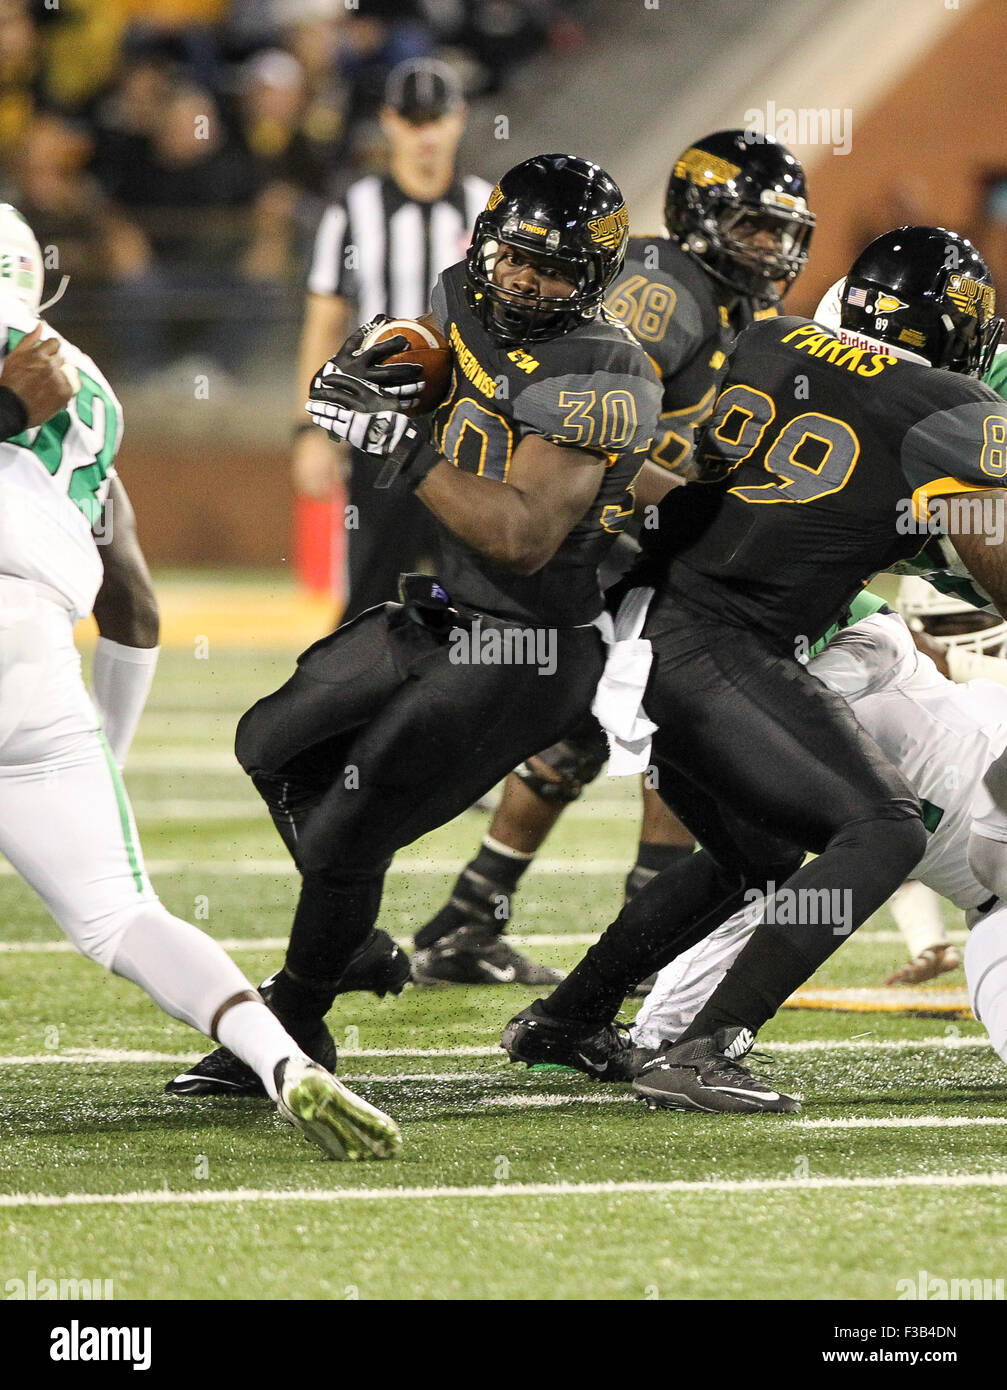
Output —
(423, 89)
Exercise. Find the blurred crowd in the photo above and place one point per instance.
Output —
(174, 156)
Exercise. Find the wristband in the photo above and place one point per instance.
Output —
(426, 458)
(13, 413)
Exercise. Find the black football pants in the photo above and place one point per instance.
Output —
(761, 762)
(381, 735)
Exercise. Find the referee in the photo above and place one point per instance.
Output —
(379, 250)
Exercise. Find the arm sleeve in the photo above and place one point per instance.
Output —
(328, 273)
(439, 303)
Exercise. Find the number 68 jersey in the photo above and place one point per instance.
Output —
(592, 388)
(54, 479)
(821, 465)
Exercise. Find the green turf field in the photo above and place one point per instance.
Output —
(511, 1184)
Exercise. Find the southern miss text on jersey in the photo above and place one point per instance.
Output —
(592, 388)
(54, 478)
(678, 312)
(823, 460)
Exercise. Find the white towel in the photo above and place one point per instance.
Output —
(618, 701)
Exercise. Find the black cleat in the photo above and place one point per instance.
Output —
(380, 966)
(475, 956)
(705, 1075)
(606, 1054)
(220, 1073)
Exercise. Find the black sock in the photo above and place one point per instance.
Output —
(651, 858)
(767, 971)
(333, 919)
(481, 895)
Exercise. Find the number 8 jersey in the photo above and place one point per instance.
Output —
(54, 479)
(592, 388)
(821, 465)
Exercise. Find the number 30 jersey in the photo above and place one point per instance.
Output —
(54, 479)
(822, 464)
(592, 388)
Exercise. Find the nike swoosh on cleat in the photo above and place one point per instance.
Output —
(746, 1095)
(213, 1080)
(595, 1066)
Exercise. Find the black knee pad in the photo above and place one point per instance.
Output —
(577, 760)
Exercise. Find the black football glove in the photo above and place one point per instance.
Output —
(360, 379)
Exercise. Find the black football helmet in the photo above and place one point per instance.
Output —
(730, 183)
(566, 210)
(928, 291)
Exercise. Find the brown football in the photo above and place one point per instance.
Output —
(429, 349)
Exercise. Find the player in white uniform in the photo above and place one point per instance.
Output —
(65, 820)
(943, 737)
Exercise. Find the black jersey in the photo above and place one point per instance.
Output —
(826, 459)
(593, 388)
(678, 312)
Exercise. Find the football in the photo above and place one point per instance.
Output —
(429, 349)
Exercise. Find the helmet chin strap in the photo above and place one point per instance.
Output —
(61, 291)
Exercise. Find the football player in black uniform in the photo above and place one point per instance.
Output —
(738, 233)
(398, 721)
(819, 454)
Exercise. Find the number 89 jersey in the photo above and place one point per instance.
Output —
(54, 478)
(592, 388)
(822, 464)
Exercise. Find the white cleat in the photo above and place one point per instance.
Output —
(343, 1125)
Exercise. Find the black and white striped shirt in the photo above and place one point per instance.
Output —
(385, 250)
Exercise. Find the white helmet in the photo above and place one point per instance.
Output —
(21, 269)
(831, 306)
(950, 622)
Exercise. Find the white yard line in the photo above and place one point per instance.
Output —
(285, 867)
(500, 1190)
(279, 943)
(88, 1056)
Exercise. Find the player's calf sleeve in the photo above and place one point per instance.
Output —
(181, 968)
(988, 861)
(333, 919)
(986, 976)
(482, 892)
(193, 979)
